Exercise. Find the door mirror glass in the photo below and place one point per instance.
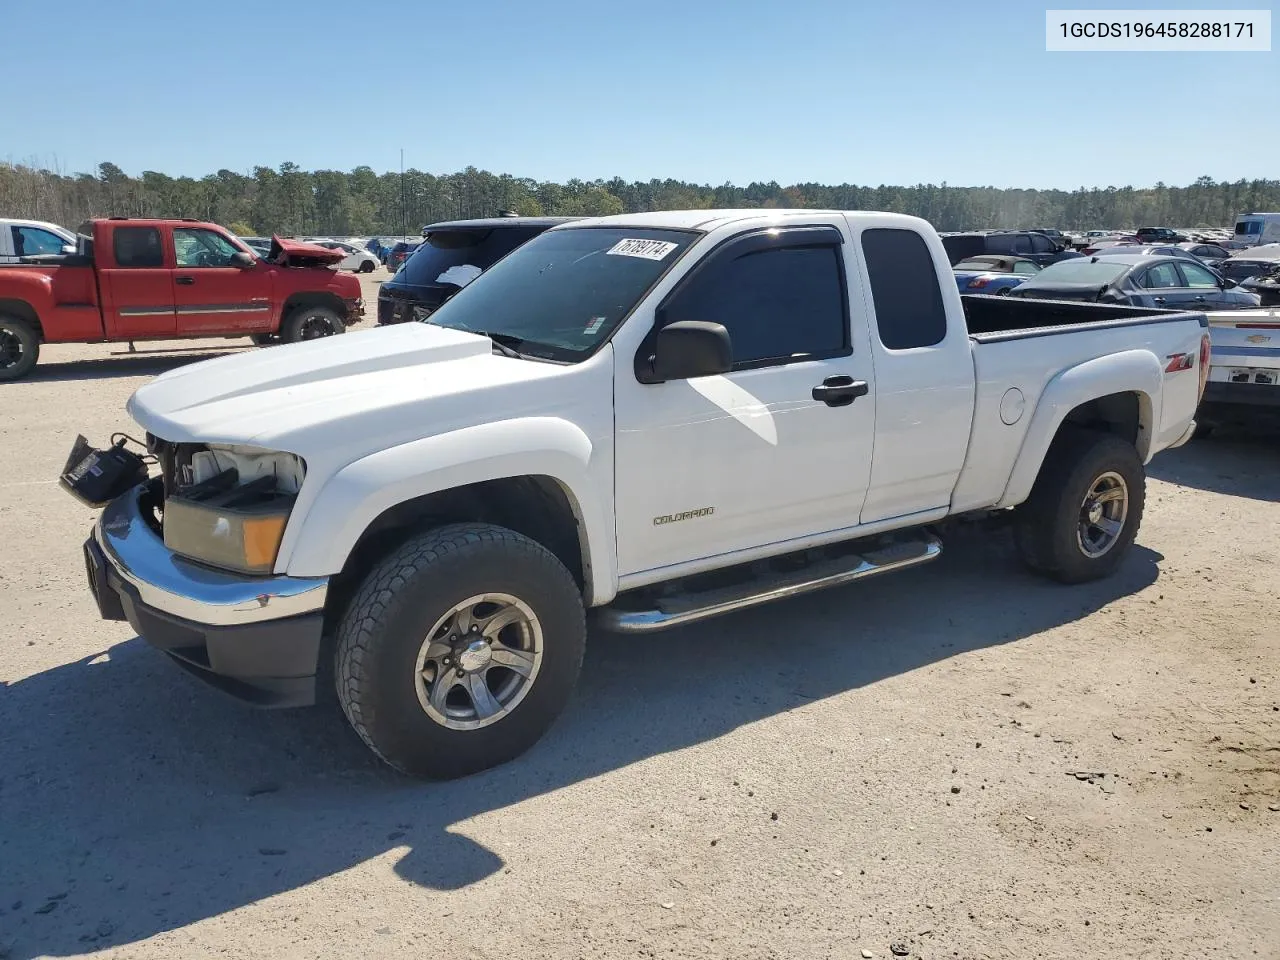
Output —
(242, 260)
(691, 348)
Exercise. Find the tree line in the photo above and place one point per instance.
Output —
(291, 201)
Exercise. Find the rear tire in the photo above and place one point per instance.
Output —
(311, 323)
(19, 348)
(402, 636)
(1085, 509)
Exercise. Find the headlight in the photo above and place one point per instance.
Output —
(233, 512)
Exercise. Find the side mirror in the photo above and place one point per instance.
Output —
(245, 261)
(69, 249)
(1228, 283)
(691, 348)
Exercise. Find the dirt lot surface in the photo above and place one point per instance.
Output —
(958, 761)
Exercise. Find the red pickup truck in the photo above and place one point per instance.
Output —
(167, 279)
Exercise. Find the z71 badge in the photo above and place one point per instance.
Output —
(686, 515)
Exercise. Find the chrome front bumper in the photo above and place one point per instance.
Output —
(190, 591)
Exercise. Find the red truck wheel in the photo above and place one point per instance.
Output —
(19, 348)
(311, 323)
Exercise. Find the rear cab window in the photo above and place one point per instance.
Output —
(910, 311)
(137, 247)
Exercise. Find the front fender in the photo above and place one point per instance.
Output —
(357, 494)
(1132, 371)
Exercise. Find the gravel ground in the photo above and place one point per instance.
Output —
(957, 761)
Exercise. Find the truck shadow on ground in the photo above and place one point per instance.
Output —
(134, 801)
(142, 364)
(1236, 461)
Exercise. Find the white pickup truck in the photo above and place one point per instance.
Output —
(654, 418)
(28, 238)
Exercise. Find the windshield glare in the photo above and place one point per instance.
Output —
(563, 293)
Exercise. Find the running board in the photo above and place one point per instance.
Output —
(681, 608)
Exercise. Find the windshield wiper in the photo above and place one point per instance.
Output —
(505, 343)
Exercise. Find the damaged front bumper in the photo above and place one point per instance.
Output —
(257, 638)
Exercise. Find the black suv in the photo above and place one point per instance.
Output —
(1159, 235)
(451, 255)
(1023, 243)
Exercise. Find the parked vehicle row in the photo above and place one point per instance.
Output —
(1138, 280)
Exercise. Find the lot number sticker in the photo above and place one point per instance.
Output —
(648, 249)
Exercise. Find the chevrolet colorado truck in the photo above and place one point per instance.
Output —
(650, 419)
(132, 280)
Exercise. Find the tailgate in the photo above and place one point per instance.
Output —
(1246, 344)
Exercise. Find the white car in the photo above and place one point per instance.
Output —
(360, 261)
(29, 238)
(787, 399)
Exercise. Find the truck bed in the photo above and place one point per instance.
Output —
(990, 319)
(1020, 346)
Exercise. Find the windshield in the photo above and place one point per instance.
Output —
(1079, 271)
(1249, 227)
(562, 293)
(986, 266)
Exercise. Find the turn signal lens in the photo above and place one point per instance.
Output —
(262, 536)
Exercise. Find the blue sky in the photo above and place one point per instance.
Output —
(888, 91)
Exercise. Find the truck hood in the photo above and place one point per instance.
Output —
(340, 397)
(295, 253)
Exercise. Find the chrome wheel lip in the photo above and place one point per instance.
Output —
(511, 693)
(1103, 514)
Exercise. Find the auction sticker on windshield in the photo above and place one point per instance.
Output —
(648, 249)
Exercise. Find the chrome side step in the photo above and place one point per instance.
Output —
(676, 609)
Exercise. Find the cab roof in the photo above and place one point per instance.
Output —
(707, 220)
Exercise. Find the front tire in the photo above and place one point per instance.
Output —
(459, 650)
(367, 266)
(311, 323)
(19, 348)
(1085, 509)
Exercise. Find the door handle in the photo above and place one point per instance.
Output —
(1197, 299)
(1158, 299)
(185, 281)
(840, 391)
